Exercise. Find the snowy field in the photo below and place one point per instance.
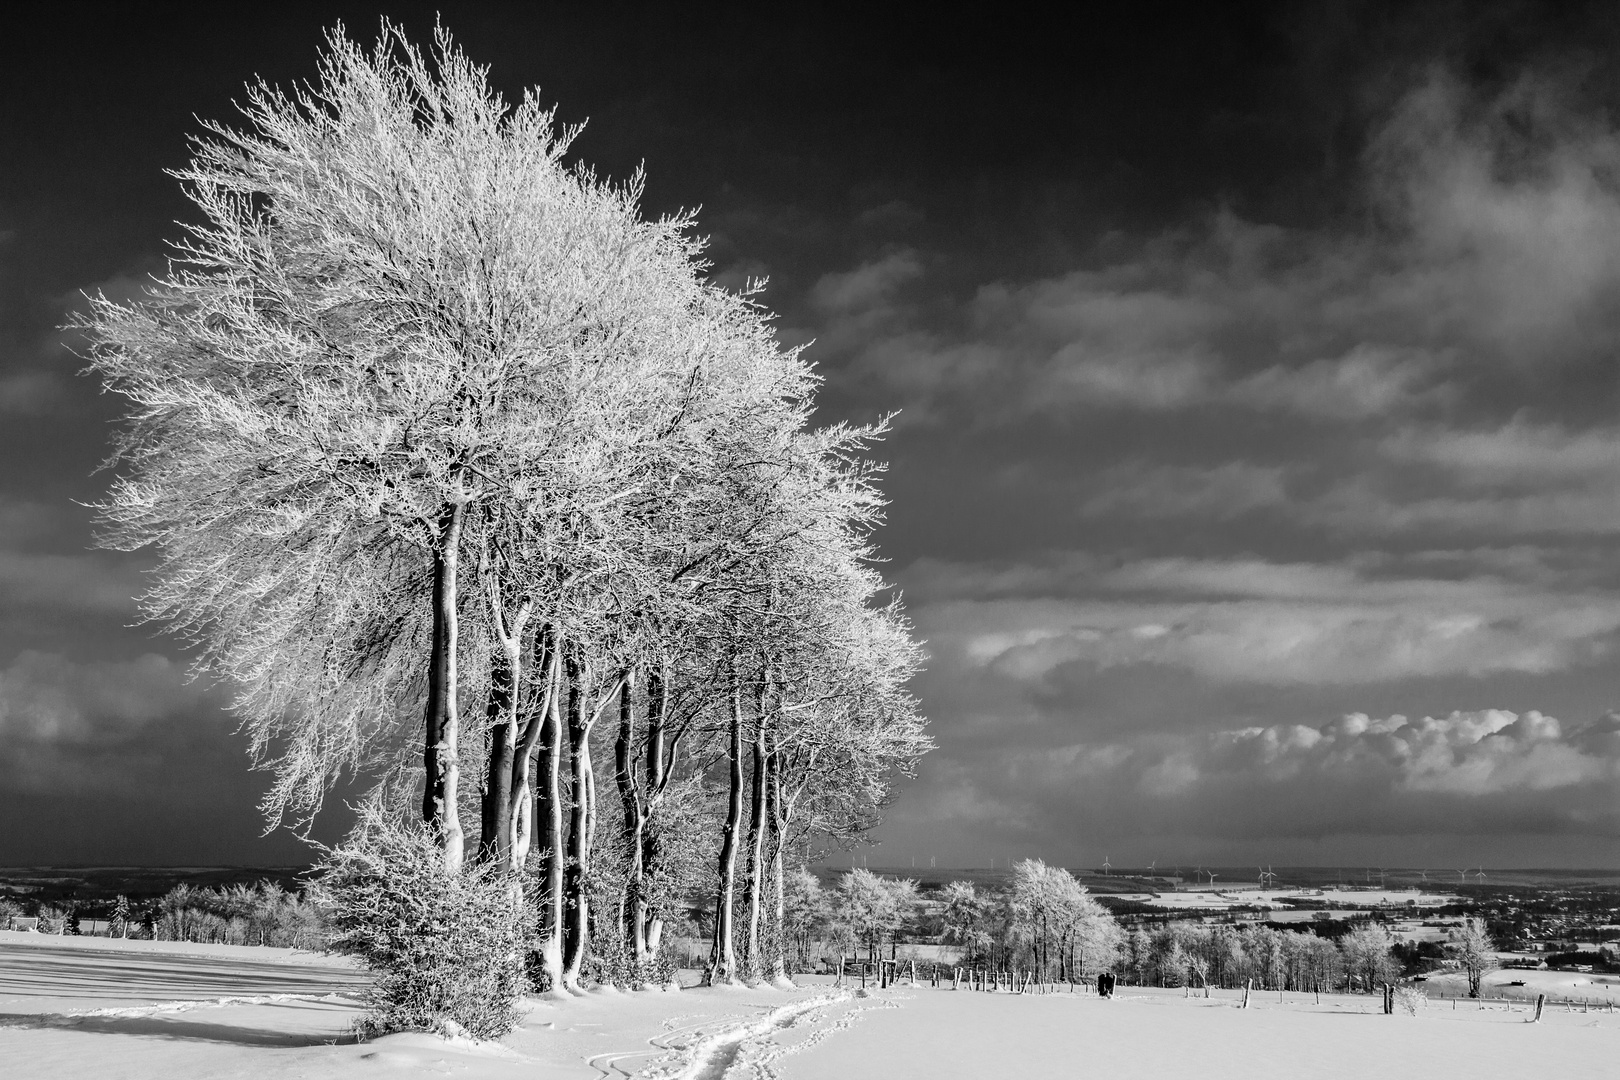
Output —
(1524, 985)
(106, 1010)
(1221, 898)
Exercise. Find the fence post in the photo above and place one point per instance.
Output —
(1541, 999)
(1248, 984)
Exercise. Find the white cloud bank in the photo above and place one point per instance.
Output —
(1250, 620)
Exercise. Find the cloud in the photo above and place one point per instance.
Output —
(1487, 752)
(1252, 621)
(29, 392)
(1509, 207)
(72, 582)
(1489, 242)
(1368, 381)
(1517, 454)
(1145, 490)
(1467, 775)
(867, 287)
(1515, 479)
(99, 726)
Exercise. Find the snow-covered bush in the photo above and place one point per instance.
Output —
(445, 946)
(1410, 998)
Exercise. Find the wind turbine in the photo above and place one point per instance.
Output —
(1425, 875)
(1381, 871)
(1152, 864)
(1462, 877)
(1106, 866)
(1212, 879)
(1481, 874)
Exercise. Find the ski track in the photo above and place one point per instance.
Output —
(711, 1049)
(760, 1056)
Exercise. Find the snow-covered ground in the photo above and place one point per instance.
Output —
(100, 1010)
(943, 1035)
(1223, 898)
(1519, 984)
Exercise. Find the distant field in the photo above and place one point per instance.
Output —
(1137, 879)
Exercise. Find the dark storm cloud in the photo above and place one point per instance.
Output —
(1488, 252)
(74, 727)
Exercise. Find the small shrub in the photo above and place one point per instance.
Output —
(52, 920)
(1410, 999)
(447, 949)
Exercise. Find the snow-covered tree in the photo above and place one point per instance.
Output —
(1472, 948)
(1367, 956)
(870, 906)
(448, 453)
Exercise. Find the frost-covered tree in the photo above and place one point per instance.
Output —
(964, 916)
(449, 455)
(1367, 956)
(869, 906)
(1472, 948)
(805, 913)
(1064, 930)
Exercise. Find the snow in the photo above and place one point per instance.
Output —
(1557, 985)
(1224, 898)
(946, 1035)
(110, 1010)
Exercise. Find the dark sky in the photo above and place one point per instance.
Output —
(1257, 474)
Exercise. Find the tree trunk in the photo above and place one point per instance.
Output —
(657, 779)
(576, 905)
(723, 956)
(548, 814)
(754, 887)
(439, 752)
(776, 815)
(635, 824)
(523, 798)
(495, 818)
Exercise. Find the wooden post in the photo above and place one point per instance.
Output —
(1247, 985)
(1541, 999)
(840, 981)
(914, 971)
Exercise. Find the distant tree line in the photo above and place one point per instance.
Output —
(239, 914)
